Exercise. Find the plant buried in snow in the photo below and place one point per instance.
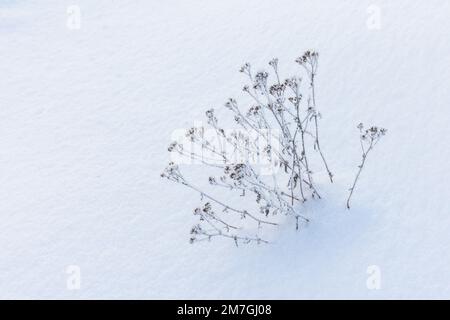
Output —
(368, 138)
(278, 107)
(281, 127)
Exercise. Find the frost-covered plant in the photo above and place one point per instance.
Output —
(268, 157)
(368, 138)
(281, 127)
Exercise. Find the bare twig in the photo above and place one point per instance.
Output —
(368, 138)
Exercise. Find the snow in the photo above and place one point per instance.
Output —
(86, 116)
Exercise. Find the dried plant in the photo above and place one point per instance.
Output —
(368, 138)
(268, 156)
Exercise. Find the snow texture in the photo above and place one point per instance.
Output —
(86, 116)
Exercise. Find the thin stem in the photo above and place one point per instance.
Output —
(364, 157)
(242, 212)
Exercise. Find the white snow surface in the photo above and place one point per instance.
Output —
(86, 116)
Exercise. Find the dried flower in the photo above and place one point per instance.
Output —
(245, 67)
(172, 146)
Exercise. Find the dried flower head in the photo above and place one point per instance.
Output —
(172, 146)
(274, 63)
(245, 67)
